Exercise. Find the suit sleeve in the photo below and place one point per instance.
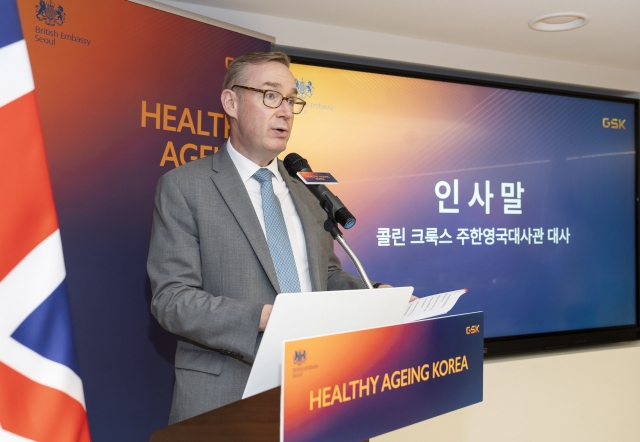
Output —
(179, 303)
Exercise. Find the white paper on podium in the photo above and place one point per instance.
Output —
(304, 315)
(431, 306)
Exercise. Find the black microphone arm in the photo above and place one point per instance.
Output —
(331, 204)
(336, 211)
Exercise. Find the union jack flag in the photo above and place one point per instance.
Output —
(41, 396)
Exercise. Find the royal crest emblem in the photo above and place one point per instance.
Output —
(305, 89)
(300, 357)
(50, 13)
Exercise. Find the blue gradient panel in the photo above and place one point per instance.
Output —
(576, 175)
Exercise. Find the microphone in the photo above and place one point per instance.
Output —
(331, 204)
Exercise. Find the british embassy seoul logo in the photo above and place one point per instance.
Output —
(54, 15)
(50, 13)
(300, 357)
(305, 90)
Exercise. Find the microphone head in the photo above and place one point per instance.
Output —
(294, 163)
(345, 218)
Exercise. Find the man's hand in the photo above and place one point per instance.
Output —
(264, 317)
(387, 286)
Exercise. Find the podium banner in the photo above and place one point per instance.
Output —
(357, 385)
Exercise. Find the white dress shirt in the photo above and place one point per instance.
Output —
(246, 169)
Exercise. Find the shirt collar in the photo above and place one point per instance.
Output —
(246, 167)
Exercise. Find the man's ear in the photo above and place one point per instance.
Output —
(230, 102)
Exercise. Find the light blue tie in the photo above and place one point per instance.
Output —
(277, 237)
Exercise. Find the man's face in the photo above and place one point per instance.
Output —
(262, 132)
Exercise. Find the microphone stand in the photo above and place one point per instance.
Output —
(331, 226)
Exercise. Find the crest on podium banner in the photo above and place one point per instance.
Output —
(300, 357)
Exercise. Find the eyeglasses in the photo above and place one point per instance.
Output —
(274, 99)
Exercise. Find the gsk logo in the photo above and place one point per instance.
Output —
(613, 123)
(473, 329)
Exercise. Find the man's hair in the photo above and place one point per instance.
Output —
(236, 74)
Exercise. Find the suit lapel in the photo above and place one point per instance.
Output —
(228, 182)
(309, 226)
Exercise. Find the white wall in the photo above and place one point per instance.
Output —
(587, 395)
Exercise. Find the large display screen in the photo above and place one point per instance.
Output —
(526, 198)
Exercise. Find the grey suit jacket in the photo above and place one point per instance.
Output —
(211, 273)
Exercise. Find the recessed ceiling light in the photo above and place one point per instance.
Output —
(560, 21)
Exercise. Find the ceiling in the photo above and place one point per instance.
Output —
(611, 39)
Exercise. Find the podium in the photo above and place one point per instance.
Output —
(255, 419)
(355, 385)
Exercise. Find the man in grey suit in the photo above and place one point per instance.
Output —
(222, 249)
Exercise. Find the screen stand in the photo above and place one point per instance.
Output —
(331, 226)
